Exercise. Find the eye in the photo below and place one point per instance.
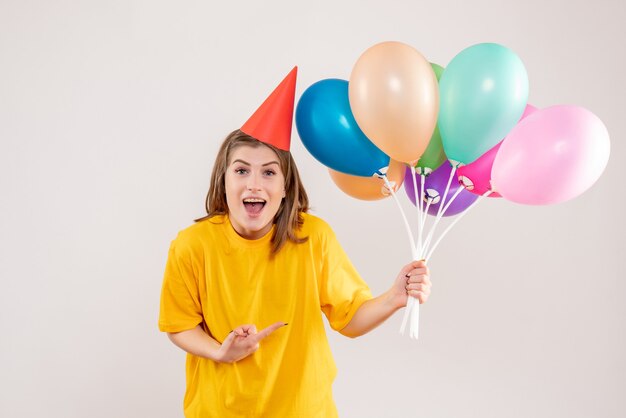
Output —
(241, 171)
(269, 172)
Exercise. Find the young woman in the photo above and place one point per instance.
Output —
(244, 287)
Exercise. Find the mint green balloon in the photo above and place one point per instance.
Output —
(433, 155)
(482, 95)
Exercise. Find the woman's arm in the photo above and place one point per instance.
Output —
(197, 342)
(240, 342)
(413, 280)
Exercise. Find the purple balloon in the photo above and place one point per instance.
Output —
(435, 186)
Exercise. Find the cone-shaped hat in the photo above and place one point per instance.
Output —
(271, 123)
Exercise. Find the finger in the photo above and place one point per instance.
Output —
(228, 340)
(421, 263)
(426, 280)
(420, 296)
(242, 330)
(416, 267)
(418, 278)
(244, 341)
(267, 331)
(249, 329)
(416, 286)
(418, 271)
(408, 268)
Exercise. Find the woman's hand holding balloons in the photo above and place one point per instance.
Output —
(413, 280)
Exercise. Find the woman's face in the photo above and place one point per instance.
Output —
(255, 188)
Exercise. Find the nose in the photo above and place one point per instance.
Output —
(253, 183)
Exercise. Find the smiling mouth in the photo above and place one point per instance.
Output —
(254, 206)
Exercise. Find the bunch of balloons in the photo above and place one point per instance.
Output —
(453, 136)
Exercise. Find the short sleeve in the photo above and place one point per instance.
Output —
(342, 290)
(181, 309)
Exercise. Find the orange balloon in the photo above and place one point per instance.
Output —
(395, 99)
(369, 188)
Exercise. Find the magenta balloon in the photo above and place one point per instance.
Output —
(530, 109)
(476, 176)
(552, 156)
(435, 184)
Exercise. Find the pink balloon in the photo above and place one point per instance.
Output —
(476, 176)
(551, 156)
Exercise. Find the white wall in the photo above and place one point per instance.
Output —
(110, 116)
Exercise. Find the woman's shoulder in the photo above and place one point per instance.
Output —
(200, 231)
(314, 225)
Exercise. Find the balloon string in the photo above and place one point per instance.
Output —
(443, 212)
(411, 313)
(412, 316)
(411, 302)
(424, 214)
(458, 218)
(418, 249)
(426, 209)
(415, 320)
(454, 196)
(445, 194)
(406, 222)
(439, 215)
(407, 312)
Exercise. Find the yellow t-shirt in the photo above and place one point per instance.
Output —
(216, 278)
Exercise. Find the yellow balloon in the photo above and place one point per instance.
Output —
(369, 188)
(395, 99)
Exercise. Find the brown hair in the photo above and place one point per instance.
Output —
(289, 218)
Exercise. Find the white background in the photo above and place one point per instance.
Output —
(110, 116)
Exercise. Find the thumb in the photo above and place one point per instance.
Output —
(228, 340)
(411, 266)
(420, 263)
(414, 265)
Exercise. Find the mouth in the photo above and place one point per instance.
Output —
(253, 205)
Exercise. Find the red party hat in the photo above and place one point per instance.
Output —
(271, 123)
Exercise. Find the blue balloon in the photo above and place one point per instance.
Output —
(330, 133)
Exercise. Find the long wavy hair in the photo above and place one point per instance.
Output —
(288, 219)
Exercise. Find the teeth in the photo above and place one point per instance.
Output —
(254, 200)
